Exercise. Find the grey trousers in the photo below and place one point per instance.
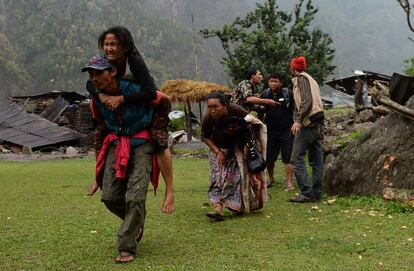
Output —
(126, 198)
(309, 140)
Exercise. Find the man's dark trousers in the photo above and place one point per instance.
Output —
(126, 198)
(309, 139)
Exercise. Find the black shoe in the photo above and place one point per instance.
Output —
(216, 216)
(301, 199)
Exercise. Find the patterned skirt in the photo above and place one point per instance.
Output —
(225, 182)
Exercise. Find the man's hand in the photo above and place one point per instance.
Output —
(262, 101)
(92, 188)
(168, 205)
(272, 103)
(296, 127)
(111, 102)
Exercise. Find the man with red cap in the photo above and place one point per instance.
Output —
(307, 129)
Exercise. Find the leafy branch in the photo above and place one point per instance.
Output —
(268, 38)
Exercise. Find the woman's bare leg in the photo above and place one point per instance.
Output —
(165, 163)
(289, 177)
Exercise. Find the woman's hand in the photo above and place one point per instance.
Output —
(221, 158)
(111, 102)
(220, 155)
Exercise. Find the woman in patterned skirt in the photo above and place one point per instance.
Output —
(231, 185)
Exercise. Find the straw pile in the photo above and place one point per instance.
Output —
(192, 91)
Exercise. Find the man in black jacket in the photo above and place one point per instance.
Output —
(279, 120)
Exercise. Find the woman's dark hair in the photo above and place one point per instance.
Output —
(224, 100)
(122, 34)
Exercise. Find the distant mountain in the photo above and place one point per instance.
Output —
(43, 44)
(370, 34)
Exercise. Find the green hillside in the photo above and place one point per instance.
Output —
(44, 43)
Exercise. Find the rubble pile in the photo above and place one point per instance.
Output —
(342, 126)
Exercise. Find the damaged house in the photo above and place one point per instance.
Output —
(401, 87)
(49, 119)
(353, 89)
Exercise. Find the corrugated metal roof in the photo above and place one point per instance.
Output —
(67, 95)
(347, 84)
(53, 111)
(21, 128)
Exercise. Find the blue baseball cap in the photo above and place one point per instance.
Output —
(98, 62)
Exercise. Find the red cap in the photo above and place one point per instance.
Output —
(299, 63)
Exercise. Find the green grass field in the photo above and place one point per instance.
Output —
(48, 224)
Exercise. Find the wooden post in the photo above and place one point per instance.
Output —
(188, 120)
(201, 113)
(197, 75)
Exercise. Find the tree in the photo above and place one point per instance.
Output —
(406, 6)
(13, 77)
(45, 43)
(409, 68)
(269, 38)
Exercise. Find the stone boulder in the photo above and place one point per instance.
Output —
(382, 157)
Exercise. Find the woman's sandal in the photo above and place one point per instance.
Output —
(124, 257)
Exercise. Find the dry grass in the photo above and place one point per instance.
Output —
(192, 91)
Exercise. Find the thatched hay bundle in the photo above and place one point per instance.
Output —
(192, 91)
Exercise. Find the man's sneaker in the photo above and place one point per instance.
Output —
(301, 199)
